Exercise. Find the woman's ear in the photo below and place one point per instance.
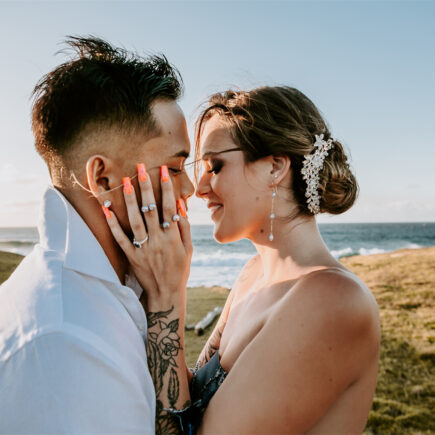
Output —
(98, 175)
(280, 168)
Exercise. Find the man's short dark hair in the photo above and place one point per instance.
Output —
(101, 84)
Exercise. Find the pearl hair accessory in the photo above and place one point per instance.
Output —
(311, 167)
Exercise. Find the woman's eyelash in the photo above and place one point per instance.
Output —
(216, 167)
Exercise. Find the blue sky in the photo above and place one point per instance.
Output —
(368, 66)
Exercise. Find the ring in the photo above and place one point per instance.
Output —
(144, 209)
(151, 206)
(175, 218)
(139, 244)
(165, 225)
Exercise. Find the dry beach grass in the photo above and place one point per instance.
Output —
(403, 283)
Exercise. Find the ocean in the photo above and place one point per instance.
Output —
(216, 264)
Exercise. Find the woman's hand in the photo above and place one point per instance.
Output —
(161, 258)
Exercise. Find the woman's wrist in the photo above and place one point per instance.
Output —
(164, 301)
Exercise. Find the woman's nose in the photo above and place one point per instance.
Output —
(203, 186)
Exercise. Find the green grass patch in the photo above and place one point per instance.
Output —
(8, 263)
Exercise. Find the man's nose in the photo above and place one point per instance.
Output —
(187, 188)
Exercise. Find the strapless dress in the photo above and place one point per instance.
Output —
(205, 382)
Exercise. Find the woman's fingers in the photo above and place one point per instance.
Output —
(135, 218)
(184, 226)
(118, 233)
(149, 207)
(168, 200)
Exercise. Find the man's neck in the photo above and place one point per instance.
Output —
(90, 211)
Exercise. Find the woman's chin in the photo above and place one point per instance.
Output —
(223, 235)
(217, 234)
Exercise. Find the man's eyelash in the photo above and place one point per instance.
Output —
(176, 171)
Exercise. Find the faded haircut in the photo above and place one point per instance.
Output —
(101, 85)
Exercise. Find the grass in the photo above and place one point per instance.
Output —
(8, 263)
(200, 300)
(403, 283)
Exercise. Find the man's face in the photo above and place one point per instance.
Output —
(171, 148)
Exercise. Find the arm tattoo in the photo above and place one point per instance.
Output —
(163, 346)
(211, 347)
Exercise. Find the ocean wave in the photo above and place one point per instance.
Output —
(349, 252)
(18, 242)
(413, 246)
(345, 252)
(220, 258)
(17, 247)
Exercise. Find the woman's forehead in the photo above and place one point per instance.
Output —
(216, 137)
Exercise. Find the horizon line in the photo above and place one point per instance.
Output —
(319, 223)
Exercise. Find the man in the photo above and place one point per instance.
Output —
(72, 328)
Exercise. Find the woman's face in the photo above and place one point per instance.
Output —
(238, 195)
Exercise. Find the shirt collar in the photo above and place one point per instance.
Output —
(63, 230)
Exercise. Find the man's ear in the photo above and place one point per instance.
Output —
(99, 174)
(280, 168)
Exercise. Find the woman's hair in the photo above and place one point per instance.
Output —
(282, 121)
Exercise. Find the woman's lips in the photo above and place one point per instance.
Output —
(214, 207)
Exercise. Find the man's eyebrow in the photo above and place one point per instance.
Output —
(183, 153)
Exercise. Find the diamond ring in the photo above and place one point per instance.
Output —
(139, 244)
(165, 225)
(151, 206)
(175, 218)
(144, 209)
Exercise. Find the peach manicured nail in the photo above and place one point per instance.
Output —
(164, 174)
(181, 207)
(142, 172)
(106, 212)
(128, 188)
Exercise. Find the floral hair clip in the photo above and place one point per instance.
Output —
(311, 167)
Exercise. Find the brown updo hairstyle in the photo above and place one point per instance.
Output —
(282, 121)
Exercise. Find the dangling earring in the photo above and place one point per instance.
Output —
(272, 213)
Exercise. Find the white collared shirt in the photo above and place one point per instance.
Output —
(72, 353)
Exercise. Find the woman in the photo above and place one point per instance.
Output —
(296, 347)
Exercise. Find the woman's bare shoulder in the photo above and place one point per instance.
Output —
(338, 284)
(335, 301)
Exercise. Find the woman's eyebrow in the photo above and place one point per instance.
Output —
(208, 154)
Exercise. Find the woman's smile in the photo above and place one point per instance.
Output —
(214, 207)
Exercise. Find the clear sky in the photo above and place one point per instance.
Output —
(368, 66)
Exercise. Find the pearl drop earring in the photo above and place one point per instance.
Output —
(272, 213)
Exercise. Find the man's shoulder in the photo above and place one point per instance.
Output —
(31, 298)
(40, 269)
(34, 264)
